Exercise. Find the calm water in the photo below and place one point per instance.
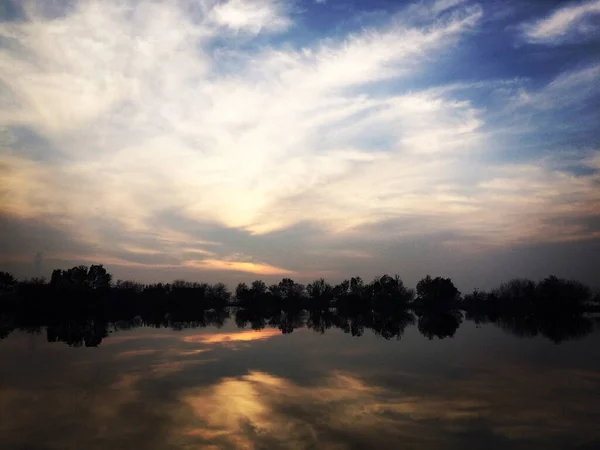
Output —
(226, 387)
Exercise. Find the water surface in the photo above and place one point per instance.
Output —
(226, 387)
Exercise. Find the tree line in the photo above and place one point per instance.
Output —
(80, 306)
(84, 301)
(88, 288)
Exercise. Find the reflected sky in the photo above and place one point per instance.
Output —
(229, 388)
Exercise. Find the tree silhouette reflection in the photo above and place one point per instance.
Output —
(81, 307)
(440, 325)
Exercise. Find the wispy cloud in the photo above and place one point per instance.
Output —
(237, 266)
(443, 5)
(251, 16)
(570, 88)
(195, 109)
(146, 119)
(573, 20)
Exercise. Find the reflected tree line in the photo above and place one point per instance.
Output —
(82, 306)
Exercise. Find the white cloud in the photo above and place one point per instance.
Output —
(443, 5)
(250, 15)
(563, 23)
(148, 116)
(572, 87)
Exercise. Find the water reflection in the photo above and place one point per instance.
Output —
(240, 336)
(440, 325)
(391, 325)
(227, 388)
(284, 372)
(258, 410)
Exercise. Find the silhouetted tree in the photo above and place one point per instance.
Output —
(554, 295)
(218, 295)
(392, 286)
(57, 278)
(258, 288)
(128, 285)
(242, 291)
(5, 331)
(95, 277)
(7, 283)
(80, 303)
(515, 294)
(389, 293)
(98, 277)
(78, 276)
(352, 297)
(320, 294)
(288, 291)
(34, 281)
(476, 300)
(357, 286)
(253, 296)
(343, 288)
(437, 294)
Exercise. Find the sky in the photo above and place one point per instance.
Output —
(235, 140)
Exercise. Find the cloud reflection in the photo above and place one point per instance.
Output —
(244, 336)
(260, 399)
(260, 410)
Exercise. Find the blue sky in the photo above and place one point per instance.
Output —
(229, 140)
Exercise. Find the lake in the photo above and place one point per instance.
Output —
(227, 387)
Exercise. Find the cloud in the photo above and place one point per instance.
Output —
(442, 5)
(182, 139)
(146, 123)
(238, 266)
(564, 23)
(250, 16)
(574, 87)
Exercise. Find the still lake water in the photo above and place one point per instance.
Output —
(157, 388)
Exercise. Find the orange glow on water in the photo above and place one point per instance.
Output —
(244, 336)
